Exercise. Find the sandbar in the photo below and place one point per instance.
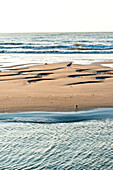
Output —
(56, 87)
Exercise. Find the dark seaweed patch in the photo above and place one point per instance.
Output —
(80, 75)
(86, 82)
(103, 71)
(82, 70)
(103, 77)
(35, 80)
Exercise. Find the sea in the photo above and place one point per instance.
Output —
(56, 140)
(39, 48)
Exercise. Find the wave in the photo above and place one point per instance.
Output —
(57, 117)
(57, 43)
(34, 47)
(58, 52)
(70, 48)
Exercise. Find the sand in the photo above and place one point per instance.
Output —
(56, 87)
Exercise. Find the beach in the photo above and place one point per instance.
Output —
(56, 87)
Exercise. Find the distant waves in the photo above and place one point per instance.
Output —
(37, 48)
(56, 43)
(40, 48)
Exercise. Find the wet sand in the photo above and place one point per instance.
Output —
(56, 87)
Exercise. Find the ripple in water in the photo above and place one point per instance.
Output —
(78, 145)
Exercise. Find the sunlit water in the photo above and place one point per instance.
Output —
(87, 143)
(41, 48)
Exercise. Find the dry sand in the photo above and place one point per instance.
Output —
(55, 87)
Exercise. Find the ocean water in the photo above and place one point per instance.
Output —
(63, 140)
(64, 43)
(40, 48)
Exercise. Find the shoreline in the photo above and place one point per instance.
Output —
(55, 111)
(56, 87)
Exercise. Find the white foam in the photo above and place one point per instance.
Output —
(18, 59)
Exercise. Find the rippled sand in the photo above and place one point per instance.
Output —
(56, 87)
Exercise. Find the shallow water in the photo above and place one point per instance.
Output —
(41, 48)
(86, 144)
(57, 117)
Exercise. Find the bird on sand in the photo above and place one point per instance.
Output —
(69, 65)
